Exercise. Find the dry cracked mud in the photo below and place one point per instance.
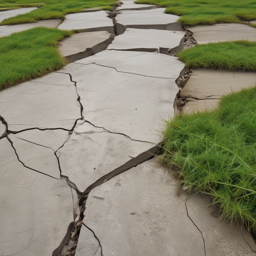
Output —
(79, 169)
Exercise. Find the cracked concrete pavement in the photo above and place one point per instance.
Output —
(80, 145)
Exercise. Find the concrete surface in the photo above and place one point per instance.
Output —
(194, 105)
(126, 103)
(10, 29)
(103, 153)
(89, 21)
(147, 40)
(36, 149)
(35, 209)
(253, 22)
(205, 83)
(82, 45)
(223, 32)
(11, 13)
(147, 215)
(2, 129)
(147, 19)
(151, 64)
(130, 5)
(46, 102)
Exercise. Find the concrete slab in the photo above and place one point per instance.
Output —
(148, 40)
(89, 245)
(10, 29)
(85, 44)
(151, 64)
(35, 209)
(220, 238)
(11, 13)
(130, 5)
(253, 22)
(205, 83)
(46, 102)
(200, 105)
(146, 216)
(223, 32)
(147, 19)
(131, 104)
(36, 149)
(103, 153)
(89, 21)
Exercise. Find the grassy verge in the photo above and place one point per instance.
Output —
(51, 9)
(195, 12)
(239, 55)
(216, 152)
(29, 54)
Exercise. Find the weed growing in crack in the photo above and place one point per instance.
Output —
(216, 153)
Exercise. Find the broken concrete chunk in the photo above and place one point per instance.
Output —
(10, 29)
(89, 245)
(89, 21)
(214, 84)
(35, 209)
(130, 5)
(126, 103)
(220, 238)
(85, 44)
(150, 64)
(194, 105)
(11, 13)
(92, 153)
(253, 22)
(46, 102)
(145, 214)
(36, 149)
(147, 19)
(148, 40)
(223, 32)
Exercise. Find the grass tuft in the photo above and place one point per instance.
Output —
(30, 54)
(208, 12)
(216, 151)
(235, 56)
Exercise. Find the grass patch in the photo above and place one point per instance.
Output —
(195, 12)
(51, 9)
(238, 55)
(30, 54)
(216, 152)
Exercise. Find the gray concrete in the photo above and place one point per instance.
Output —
(10, 29)
(128, 103)
(82, 45)
(209, 85)
(253, 22)
(103, 153)
(11, 13)
(130, 5)
(140, 63)
(141, 212)
(35, 209)
(223, 32)
(147, 19)
(36, 149)
(47, 102)
(2, 129)
(89, 21)
(147, 40)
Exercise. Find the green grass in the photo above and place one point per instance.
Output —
(51, 9)
(30, 54)
(195, 12)
(238, 55)
(216, 152)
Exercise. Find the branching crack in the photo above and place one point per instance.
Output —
(124, 72)
(101, 249)
(248, 243)
(195, 226)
